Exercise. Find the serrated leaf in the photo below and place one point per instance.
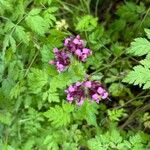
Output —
(16, 90)
(115, 114)
(139, 76)
(86, 23)
(21, 34)
(145, 62)
(87, 112)
(5, 118)
(147, 32)
(46, 54)
(6, 42)
(139, 47)
(34, 11)
(53, 97)
(36, 22)
(59, 82)
(12, 43)
(60, 116)
(37, 79)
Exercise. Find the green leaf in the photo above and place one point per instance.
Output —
(108, 140)
(46, 54)
(128, 12)
(95, 144)
(60, 116)
(5, 118)
(6, 42)
(139, 76)
(86, 23)
(36, 80)
(36, 22)
(51, 97)
(21, 34)
(59, 81)
(12, 43)
(139, 47)
(51, 141)
(49, 17)
(116, 89)
(77, 70)
(115, 114)
(147, 32)
(146, 62)
(87, 112)
(17, 90)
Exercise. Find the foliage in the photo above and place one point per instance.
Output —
(113, 140)
(141, 73)
(34, 112)
(60, 116)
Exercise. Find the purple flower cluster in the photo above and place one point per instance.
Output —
(80, 91)
(76, 47)
(61, 60)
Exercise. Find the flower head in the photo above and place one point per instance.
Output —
(97, 92)
(80, 91)
(75, 92)
(76, 46)
(61, 60)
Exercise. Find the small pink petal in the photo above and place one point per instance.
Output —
(51, 62)
(85, 50)
(55, 50)
(78, 83)
(71, 89)
(100, 90)
(80, 102)
(105, 95)
(69, 98)
(95, 96)
(76, 41)
(66, 41)
(60, 67)
(78, 52)
(66, 91)
(78, 36)
(83, 57)
(87, 84)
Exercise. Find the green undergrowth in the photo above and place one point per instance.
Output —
(34, 113)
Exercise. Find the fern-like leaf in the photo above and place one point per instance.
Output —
(139, 47)
(86, 23)
(139, 76)
(21, 35)
(36, 22)
(87, 112)
(115, 114)
(36, 80)
(60, 116)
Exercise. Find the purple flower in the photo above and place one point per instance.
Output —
(61, 60)
(88, 84)
(97, 92)
(75, 92)
(80, 102)
(76, 46)
(80, 91)
(78, 52)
